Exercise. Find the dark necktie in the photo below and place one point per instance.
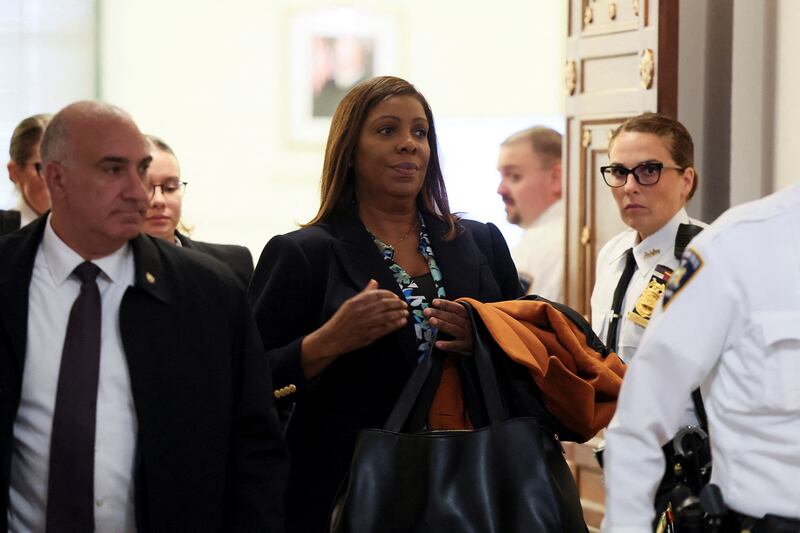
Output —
(619, 295)
(70, 491)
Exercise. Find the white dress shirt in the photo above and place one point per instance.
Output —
(53, 290)
(734, 327)
(657, 249)
(539, 255)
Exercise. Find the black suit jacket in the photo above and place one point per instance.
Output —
(209, 452)
(301, 280)
(237, 258)
(9, 221)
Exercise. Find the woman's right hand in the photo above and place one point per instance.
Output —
(362, 319)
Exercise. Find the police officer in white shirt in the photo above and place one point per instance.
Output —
(651, 175)
(730, 321)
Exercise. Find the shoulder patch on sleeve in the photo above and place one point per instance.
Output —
(690, 265)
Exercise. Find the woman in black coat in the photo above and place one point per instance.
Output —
(347, 305)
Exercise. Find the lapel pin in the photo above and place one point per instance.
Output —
(150, 278)
(650, 253)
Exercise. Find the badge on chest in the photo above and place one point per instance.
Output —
(646, 303)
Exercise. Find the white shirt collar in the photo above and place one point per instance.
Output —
(660, 243)
(553, 212)
(655, 246)
(62, 260)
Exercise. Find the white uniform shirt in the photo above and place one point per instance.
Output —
(734, 327)
(540, 253)
(657, 249)
(53, 290)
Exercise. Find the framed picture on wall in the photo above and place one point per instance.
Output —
(329, 51)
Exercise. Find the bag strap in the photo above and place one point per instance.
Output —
(411, 392)
(486, 372)
(487, 377)
(686, 232)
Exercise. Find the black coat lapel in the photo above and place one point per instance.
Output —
(18, 252)
(361, 261)
(147, 328)
(459, 260)
(358, 255)
(147, 321)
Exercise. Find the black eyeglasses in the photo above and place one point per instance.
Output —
(169, 189)
(644, 174)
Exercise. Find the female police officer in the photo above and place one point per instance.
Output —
(651, 175)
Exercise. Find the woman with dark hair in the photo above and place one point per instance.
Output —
(24, 170)
(348, 304)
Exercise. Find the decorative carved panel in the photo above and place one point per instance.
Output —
(603, 17)
(625, 53)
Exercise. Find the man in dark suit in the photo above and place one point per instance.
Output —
(134, 393)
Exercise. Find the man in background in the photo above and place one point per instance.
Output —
(530, 185)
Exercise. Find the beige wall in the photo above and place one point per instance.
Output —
(756, 141)
(212, 81)
(766, 83)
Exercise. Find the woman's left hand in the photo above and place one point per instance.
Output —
(451, 318)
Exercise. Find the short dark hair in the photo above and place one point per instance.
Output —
(680, 145)
(545, 142)
(27, 134)
(337, 187)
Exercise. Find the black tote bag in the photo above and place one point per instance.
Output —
(489, 480)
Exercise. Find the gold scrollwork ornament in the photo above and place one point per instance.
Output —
(646, 68)
(612, 10)
(571, 77)
(586, 139)
(586, 236)
(588, 15)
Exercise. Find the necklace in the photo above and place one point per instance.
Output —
(414, 226)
